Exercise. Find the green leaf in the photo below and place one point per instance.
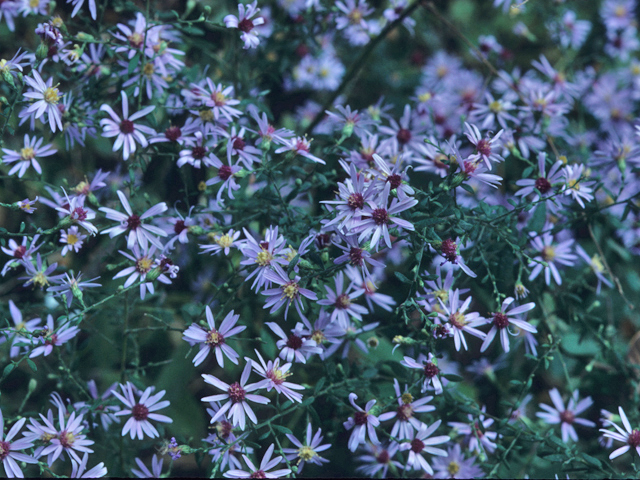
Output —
(264, 435)
(133, 63)
(32, 365)
(282, 429)
(319, 385)
(592, 460)
(7, 370)
(555, 457)
(536, 224)
(452, 378)
(573, 344)
(369, 373)
(401, 277)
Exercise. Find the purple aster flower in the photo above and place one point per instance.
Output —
(378, 459)
(20, 325)
(576, 186)
(421, 443)
(275, 377)
(406, 422)
(406, 135)
(144, 263)
(459, 321)
(294, 346)
(629, 436)
(77, 213)
(307, 451)
(429, 366)
(71, 286)
(476, 433)
(454, 465)
(127, 132)
(484, 146)
(341, 301)
(227, 174)
(156, 468)
(45, 98)
(300, 146)
(361, 422)
(378, 215)
(217, 97)
(141, 411)
(9, 454)
(68, 438)
(550, 253)
(237, 393)
(27, 156)
(451, 253)
(213, 339)
(544, 183)
(502, 320)
(566, 416)
(78, 470)
(288, 292)
(353, 194)
(72, 240)
(138, 231)
(596, 265)
(53, 337)
(368, 286)
(570, 32)
(266, 464)
(265, 254)
(39, 275)
(245, 24)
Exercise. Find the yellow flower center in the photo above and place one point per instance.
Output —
(574, 184)
(425, 97)
(318, 337)
(72, 239)
(34, 3)
(291, 254)
(3, 65)
(306, 453)
(206, 115)
(27, 153)
(355, 16)
(144, 264)
(40, 279)
(51, 95)
(46, 437)
(406, 398)
(290, 290)
(620, 11)
(442, 294)
(264, 258)
(148, 69)
(635, 68)
(225, 241)
(548, 253)
(324, 72)
(219, 99)
(453, 468)
(495, 106)
(442, 71)
(596, 262)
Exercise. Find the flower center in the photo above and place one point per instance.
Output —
(223, 428)
(135, 40)
(383, 457)
(343, 302)
(403, 136)
(596, 263)
(405, 412)
(238, 143)
(355, 201)
(264, 258)
(457, 320)
(306, 453)
(198, 152)
(72, 239)
(548, 253)
(634, 439)
(126, 127)
(360, 418)
(148, 69)
(225, 172)
(133, 222)
(484, 147)
(449, 250)
(219, 99)
(495, 106)
(453, 468)
(214, 338)
(318, 337)
(290, 290)
(277, 376)
(206, 115)
(236, 393)
(4, 450)
(294, 342)
(40, 279)
(417, 445)
(245, 25)
(20, 251)
(27, 153)
(51, 95)
(79, 213)
(500, 320)
(394, 180)
(140, 412)
(258, 474)
(67, 439)
(179, 227)
(543, 185)
(380, 216)
(225, 241)
(143, 265)
(567, 417)
(431, 370)
(173, 133)
(355, 256)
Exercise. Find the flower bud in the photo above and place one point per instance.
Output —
(153, 274)
(42, 52)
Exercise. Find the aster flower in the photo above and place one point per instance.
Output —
(502, 320)
(289, 291)
(266, 464)
(300, 146)
(10, 449)
(307, 451)
(550, 253)
(26, 205)
(629, 436)
(265, 253)
(27, 155)
(405, 135)
(39, 275)
(156, 468)
(421, 443)
(267, 132)
(352, 197)
(78, 470)
(77, 213)
(199, 151)
(237, 393)
(454, 465)
(378, 459)
(451, 253)
(484, 146)
(141, 411)
(576, 186)
(9, 10)
(459, 321)
(145, 263)
(138, 231)
(490, 113)
(227, 174)
(72, 240)
(217, 97)
(245, 24)
(68, 438)
(45, 98)
(429, 366)
(341, 301)
(597, 266)
(104, 412)
(19, 326)
(368, 286)
(476, 433)
(544, 183)
(223, 243)
(71, 287)
(571, 32)
(19, 252)
(275, 377)
(127, 132)
(294, 346)
(567, 417)
(361, 423)
(406, 422)
(213, 339)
